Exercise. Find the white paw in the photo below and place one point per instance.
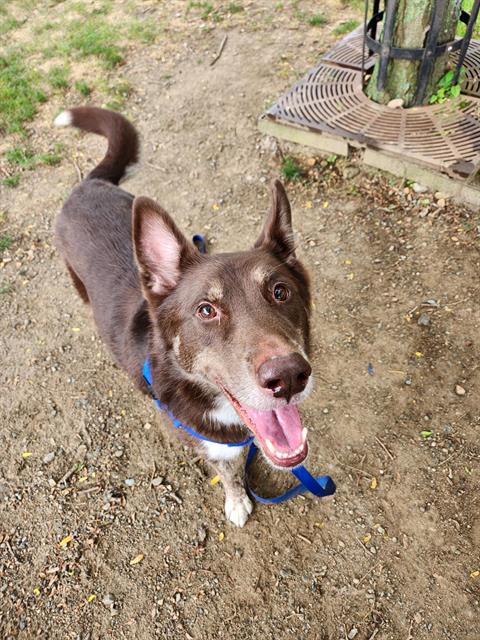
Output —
(238, 509)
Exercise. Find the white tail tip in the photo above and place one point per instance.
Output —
(64, 119)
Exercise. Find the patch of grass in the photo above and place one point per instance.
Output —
(119, 94)
(11, 181)
(317, 20)
(291, 170)
(7, 24)
(21, 156)
(83, 88)
(25, 158)
(234, 7)
(20, 93)
(5, 243)
(42, 28)
(59, 76)
(345, 27)
(207, 10)
(94, 37)
(6, 288)
(143, 30)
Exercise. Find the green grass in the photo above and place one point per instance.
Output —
(7, 24)
(93, 37)
(291, 170)
(317, 20)
(143, 31)
(83, 88)
(59, 76)
(20, 93)
(5, 243)
(345, 27)
(21, 156)
(118, 94)
(25, 158)
(234, 7)
(461, 27)
(11, 181)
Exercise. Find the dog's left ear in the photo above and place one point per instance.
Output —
(277, 233)
(161, 249)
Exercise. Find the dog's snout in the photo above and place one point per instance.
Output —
(284, 375)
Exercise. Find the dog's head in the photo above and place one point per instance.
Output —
(237, 323)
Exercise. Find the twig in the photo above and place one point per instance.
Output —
(220, 50)
(454, 454)
(367, 574)
(304, 538)
(78, 170)
(344, 464)
(154, 166)
(384, 448)
(374, 634)
(7, 542)
(69, 473)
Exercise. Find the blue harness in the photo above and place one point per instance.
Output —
(321, 486)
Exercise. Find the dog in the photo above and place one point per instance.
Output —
(227, 335)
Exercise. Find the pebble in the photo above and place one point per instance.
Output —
(419, 188)
(460, 391)
(156, 482)
(130, 482)
(424, 320)
(108, 600)
(396, 103)
(418, 617)
(201, 534)
(49, 457)
(352, 633)
(373, 550)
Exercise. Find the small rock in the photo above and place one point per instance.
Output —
(49, 457)
(201, 534)
(424, 320)
(351, 172)
(130, 482)
(441, 203)
(118, 453)
(325, 410)
(460, 391)
(108, 600)
(352, 633)
(408, 381)
(419, 188)
(373, 550)
(156, 482)
(397, 103)
(439, 195)
(418, 617)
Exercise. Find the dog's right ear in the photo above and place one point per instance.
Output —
(161, 249)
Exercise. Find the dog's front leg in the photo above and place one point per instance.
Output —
(231, 469)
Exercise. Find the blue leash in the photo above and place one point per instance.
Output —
(320, 486)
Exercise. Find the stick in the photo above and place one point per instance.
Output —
(220, 50)
(384, 448)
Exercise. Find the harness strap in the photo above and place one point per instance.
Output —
(320, 486)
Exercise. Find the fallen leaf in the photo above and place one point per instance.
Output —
(367, 538)
(418, 354)
(76, 329)
(36, 591)
(221, 536)
(63, 543)
(26, 454)
(373, 483)
(216, 207)
(311, 162)
(215, 480)
(91, 597)
(475, 574)
(137, 559)
(308, 204)
(426, 434)
(325, 204)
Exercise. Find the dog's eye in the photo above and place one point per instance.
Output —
(281, 292)
(205, 311)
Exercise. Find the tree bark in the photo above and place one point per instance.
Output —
(411, 26)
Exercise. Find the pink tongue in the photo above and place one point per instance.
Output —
(282, 426)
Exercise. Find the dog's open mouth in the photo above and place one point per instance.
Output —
(279, 432)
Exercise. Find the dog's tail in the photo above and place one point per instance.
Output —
(122, 139)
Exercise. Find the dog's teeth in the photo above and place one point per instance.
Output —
(270, 446)
(304, 434)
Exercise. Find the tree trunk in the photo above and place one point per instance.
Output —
(411, 25)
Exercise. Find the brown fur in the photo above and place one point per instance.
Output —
(139, 312)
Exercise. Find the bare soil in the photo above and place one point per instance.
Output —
(395, 554)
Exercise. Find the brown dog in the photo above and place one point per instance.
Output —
(226, 334)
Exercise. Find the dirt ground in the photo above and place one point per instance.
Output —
(394, 417)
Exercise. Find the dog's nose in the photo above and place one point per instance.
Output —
(284, 375)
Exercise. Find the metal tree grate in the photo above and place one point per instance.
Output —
(330, 99)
